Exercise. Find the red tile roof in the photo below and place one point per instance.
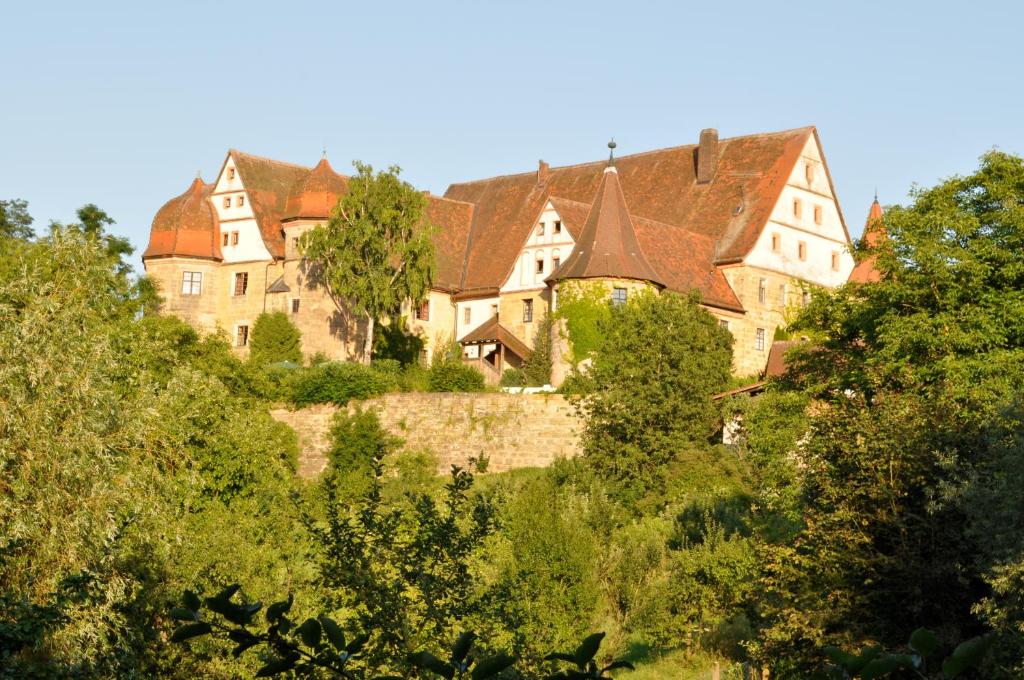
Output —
(186, 226)
(452, 221)
(492, 331)
(314, 195)
(608, 246)
(268, 184)
(874, 236)
(660, 185)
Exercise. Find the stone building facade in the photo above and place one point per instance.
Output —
(750, 222)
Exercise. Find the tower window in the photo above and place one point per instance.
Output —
(241, 283)
(423, 311)
(527, 311)
(192, 283)
(759, 340)
(618, 296)
(817, 214)
(723, 323)
(241, 336)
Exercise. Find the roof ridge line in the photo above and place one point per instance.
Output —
(233, 151)
(632, 155)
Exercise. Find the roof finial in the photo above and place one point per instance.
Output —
(199, 174)
(611, 153)
(876, 194)
(323, 154)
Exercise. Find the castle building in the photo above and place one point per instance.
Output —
(750, 222)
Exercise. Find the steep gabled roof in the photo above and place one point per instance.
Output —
(874, 236)
(608, 246)
(186, 226)
(453, 220)
(268, 184)
(659, 185)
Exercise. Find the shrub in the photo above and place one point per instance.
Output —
(393, 342)
(537, 369)
(449, 374)
(513, 377)
(274, 338)
(338, 383)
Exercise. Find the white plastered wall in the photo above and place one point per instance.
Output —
(539, 247)
(237, 217)
(790, 229)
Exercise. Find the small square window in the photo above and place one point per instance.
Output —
(762, 291)
(191, 283)
(558, 226)
(618, 296)
(809, 172)
(540, 266)
(776, 243)
(295, 305)
(817, 214)
(835, 260)
(540, 229)
(225, 238)
(527, 311)
(234, 238)
(242, 336)
(241, 201)
(227, 201)
(759, 340)
(467, 314)
(231, 173)
(801, 251)
(423, 311)
(797, 208)
(241, 283)
(723, 323)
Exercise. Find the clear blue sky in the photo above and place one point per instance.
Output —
(121, 103)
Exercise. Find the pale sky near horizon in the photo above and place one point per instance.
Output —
(119, 104)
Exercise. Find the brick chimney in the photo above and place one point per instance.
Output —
(707, 155)
(542, 172)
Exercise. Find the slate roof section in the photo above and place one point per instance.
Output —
(268, 183)
(608, 246)
(874, 236)
(659, 185)
(186, 226)
(279, 286)
(492, 331)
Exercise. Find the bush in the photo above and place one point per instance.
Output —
(274, 338)
(455, 377)
(393, 342)
(340, 382)
(513, 377)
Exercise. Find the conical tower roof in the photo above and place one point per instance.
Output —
(314, 195)
(874, 236)
(186, 226)
(608, 246)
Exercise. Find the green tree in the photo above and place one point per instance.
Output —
(15, 221)
(275, 338)
(649, 388)
(375, 252)
(537, 368)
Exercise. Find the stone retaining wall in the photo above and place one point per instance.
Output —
(511, 430)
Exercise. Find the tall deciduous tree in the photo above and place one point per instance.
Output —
(15, 222)
(375, 251)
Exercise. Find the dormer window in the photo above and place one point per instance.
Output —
(227, 201)
(558, 226)
(540, 229)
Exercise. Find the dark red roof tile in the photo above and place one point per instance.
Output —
(186, 226)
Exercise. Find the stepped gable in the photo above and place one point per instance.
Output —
(661, 185)
(608, 246)
(268, 184)
(683, 259)
(452, 221)
(874, 236)
(186, 226)
(313, 196)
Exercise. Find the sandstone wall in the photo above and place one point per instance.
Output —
(511, 430)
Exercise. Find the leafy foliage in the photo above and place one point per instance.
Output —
(340, 382)
(537, 368)
(274, 338)
(375, 251)
(449, 374)
(395, 342)
(15, 220)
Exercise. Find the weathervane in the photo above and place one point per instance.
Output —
(611, 153)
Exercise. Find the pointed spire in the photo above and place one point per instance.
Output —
(611, 153)
(874, 236)
(608, 246)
